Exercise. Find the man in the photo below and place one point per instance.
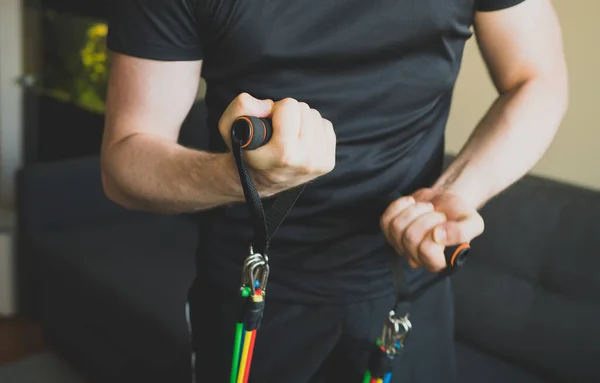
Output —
(359, 94)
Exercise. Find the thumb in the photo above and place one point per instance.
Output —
(464, 230)
(425, 195)
(243, 105)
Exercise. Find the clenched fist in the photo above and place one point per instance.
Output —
(420, 226)
(301, 148)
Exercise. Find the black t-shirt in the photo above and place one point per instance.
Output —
(382, 71)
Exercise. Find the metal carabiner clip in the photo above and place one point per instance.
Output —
(256, 272)
(395, 331)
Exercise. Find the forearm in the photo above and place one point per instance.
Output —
(146, 173)
(508, 141)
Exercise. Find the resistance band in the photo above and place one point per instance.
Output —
(249, 133)
(390, 344)
(245, 337)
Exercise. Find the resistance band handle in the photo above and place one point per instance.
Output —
(251, 132)
(456, 256)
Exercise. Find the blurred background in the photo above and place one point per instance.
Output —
(77, 306)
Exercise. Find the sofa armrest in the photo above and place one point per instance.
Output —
(63, 194)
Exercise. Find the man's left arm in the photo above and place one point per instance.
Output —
(523, 50)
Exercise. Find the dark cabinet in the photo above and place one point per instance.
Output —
(66, 76)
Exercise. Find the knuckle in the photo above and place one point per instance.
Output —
(304, 170)
(412, 235)
(243, 101)
(426, 250)
(289, 102)
(285, 159)
(396, 225)
(276, 178)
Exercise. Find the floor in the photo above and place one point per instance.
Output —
(20, 339)
(24, 358)
(43, 367)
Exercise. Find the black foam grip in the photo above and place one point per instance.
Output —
(456, 256)
(251, 132)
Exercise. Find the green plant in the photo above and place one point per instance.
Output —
(76, 61)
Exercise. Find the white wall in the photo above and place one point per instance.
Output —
(11, 64)
(7, 296)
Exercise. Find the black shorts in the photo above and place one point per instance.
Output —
(325, 343)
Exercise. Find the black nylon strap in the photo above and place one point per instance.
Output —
(403, 292)
(400, 284)
(280, 208)
(265, 223)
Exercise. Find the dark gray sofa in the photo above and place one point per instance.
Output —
(109, 285)
(530, 295)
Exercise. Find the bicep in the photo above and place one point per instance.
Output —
(155, 67)
(520, 42)
(149, 97)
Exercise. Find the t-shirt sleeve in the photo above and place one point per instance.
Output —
(164, 30)
(495, 5)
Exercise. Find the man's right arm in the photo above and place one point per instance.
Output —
(155, 71)
(156, 59)
(143, 166)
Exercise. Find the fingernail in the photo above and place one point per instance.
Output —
(413, 264)
(439, 235)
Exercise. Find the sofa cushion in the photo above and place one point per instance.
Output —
(477, 367)
(65, 194)
(126, 282)
(531, 292)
